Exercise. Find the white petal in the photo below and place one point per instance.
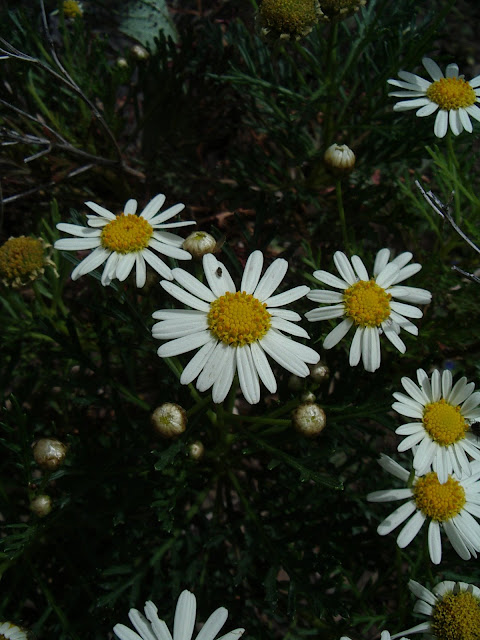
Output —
(387, 276)
(169, 250)
(110, 268)
(130, 207)
(185, 297)
(213, 369)
(141, 271)
(406, 105)
(434, 542)
(141, 624)
(91, 262)
(286, 314)
(287, 296)
(153, 207)
(427, 110)
(224, 380)
(77, 244)
(406, 310)
(441, 123)
(381, 261)
(213, 625)
(167, 214)
(356, 347)
(168, 238)
(192, 284)
(270, 280)
(252, 272)
(415, 391)
(456, 540)
(105, 213)
(263, 367)
(247, 375)
(392, 335)
(184, 616)
(337, 334)
(175, 328)
(460, 391)
(410, 530)
(455, 122)
(159, 627)
(452, 70)
(422, 592)
(324, 296)
(196, 364)
(344, 267)
(158, 264)
(124, 633)
(326, 313)
(218, 277)
(289, 327)
(396, 518)
(125, 265)
(77, 230)
(432, 68)
(465, 120)
(330, 279)
(233, 635)
(411, 441)
(473, 111)
(371, 349)
(277, 350)
(184, 344)
(360, 269)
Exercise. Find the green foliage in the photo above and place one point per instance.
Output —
(268, 523)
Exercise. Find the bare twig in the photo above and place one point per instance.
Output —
(444, 211)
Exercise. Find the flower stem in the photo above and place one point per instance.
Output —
(341, 213)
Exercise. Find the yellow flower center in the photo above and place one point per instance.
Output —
(72, 9)
(288, 16)
(20, 257)
(451, 93)
(367, 304)
(444, 423)
(238, 318)
(440, 502)
(126, 234)
(456, 617)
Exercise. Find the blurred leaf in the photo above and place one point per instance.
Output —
(143, 20)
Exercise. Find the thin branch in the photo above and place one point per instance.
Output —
(444, 211)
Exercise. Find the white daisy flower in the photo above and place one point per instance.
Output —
(150, 627)
(235, 329)
(9, 631)
(367, 304)
(126, 240)
(451, 96)
(449, 506)
(453, 608)
(441, 437)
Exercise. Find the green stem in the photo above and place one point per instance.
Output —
(454, 167)
(331, 83)
(341, 213)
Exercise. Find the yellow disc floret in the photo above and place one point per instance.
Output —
(440, 502)
(72, 9)
(367, 304)
(289, 17)
(128, 233)
(456, 616)
(238, 319)
(451, 93)
(444, 423)
(22, 259)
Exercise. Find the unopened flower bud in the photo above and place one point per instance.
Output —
(196, 450)
(308, 396)
(41, 506)
(122, 63)
(309, 419)
(49, 453)
(319, 372)
(169, 420)
(139, 52)
(288, 19)
(340, 159)
(199, 243)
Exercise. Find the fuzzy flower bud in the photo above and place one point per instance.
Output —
(285, 19)
(169, 420)
(22, 260)
(319, 372)
(196, 450)
(340, 159)
(139, 52)
(41, 506)
(308, 396)
(49, 453)
(336, 10)
(199, 243)
(121, 63)
(309, 419)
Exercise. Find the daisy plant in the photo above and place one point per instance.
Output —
(126, 240)
(369, 304)
(453, 609)
(450, 96)
(450, 506)
(151, 627)
(234, 330)
(441, 436)
(9, 631)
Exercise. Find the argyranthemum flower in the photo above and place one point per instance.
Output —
(126, 240)
(367, 304)
(449, 506)
(442, 431)
(23, 260)
(152, 628)
(235, 329)
(9, 631)
(453, 608)
(451, 96)
(72, 9)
